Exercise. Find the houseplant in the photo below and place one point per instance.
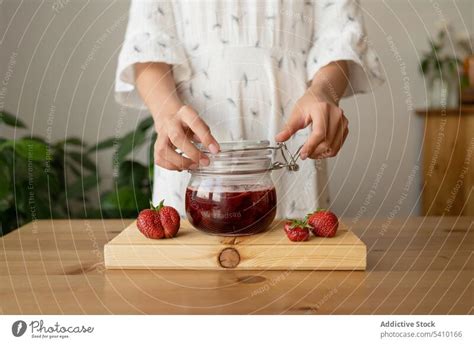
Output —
(131, 189)
(440, 68)
(43, 180)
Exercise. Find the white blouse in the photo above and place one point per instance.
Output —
(242, 65)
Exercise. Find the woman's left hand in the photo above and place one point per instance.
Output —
(329, 125)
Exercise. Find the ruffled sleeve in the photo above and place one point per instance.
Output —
(151, 36)
(339, 34)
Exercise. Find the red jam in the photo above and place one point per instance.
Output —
(231, 213)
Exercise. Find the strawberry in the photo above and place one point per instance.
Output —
(170, 220)
(149, 223)
(296, 230)
(158, 222)
(323, 223)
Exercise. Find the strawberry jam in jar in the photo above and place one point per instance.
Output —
(235, 194)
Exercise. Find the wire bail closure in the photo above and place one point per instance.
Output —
(289, 160)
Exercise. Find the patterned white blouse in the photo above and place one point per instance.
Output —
(242, 65)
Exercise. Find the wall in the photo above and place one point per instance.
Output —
(62, 57)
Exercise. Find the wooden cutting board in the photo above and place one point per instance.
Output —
(271, 250)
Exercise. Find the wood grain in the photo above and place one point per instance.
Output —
(271, 250)
(414, 266)
(448, 162)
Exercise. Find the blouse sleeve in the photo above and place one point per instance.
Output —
(151, 36)
(339, 34)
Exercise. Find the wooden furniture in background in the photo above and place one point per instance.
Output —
(467, 96)
(448, 162)
(414, 266)
(266, 251)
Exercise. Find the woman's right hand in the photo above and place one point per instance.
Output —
(178, 130)
(176, 124)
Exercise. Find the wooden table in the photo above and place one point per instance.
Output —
(416, 266)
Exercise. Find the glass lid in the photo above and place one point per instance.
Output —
(227, 146)
(248, 157)
(238, 157)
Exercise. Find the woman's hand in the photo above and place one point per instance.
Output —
(176, 124)
(319, 106)
(329, 125)
(178, 130)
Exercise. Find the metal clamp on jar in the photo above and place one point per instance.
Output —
(234, 195)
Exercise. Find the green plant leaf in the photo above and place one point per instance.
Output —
(441, 34)
(151, 157)
(4, 205)
(132, 173)
(452, 65)
(54, 183)
(70, 141)
(125, 200)
(424, 66)
(129, 143)
(105, 144)
(145, 124)
(21, 200)
(435, 47)
(5, 180)
(8, 219)
(4, 190)
(28, 149)
(40, 206)
(83, 160)
(74, 169)
(11, 120)
(35, 138)
(81, 185)
(464, 81)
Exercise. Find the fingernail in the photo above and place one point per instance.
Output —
(213, 148)
(203, 162)
(193, 166)
(303, 155)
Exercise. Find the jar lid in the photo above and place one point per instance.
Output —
(237, 145)
(238, 157)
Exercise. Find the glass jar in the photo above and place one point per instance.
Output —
(235, 194)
